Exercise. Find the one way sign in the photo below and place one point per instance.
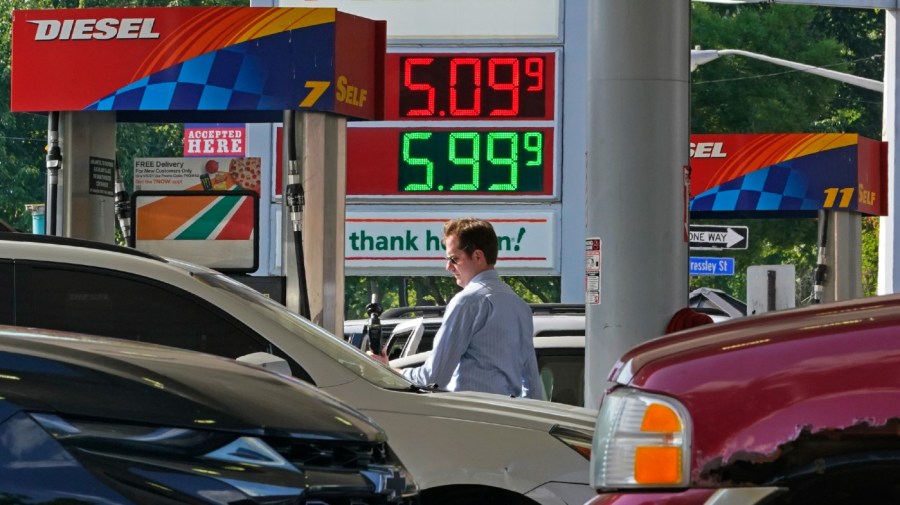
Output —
(718, 237)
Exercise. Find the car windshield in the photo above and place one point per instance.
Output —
(348, 356)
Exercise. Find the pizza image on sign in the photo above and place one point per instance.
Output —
(245, 172)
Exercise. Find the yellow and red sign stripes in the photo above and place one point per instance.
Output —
(787, 172)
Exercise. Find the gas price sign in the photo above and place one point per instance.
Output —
(460, 125)
(466, 86)
(448, 162)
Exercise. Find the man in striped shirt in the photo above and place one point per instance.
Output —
(485, 342)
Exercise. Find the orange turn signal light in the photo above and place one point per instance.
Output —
(657, 465)
(660, 419)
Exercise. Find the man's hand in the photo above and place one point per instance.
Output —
(381, 358)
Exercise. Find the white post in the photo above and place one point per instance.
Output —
(887, 238)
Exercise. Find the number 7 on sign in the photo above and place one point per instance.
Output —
(316, 90)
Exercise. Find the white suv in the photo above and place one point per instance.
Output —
(468, 448)
(558, 346)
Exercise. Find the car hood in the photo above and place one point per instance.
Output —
(500, 410)
(130, 382)
(712, 344)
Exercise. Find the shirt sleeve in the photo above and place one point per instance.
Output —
(450, 343)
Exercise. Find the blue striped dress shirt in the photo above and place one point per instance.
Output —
(485, 343)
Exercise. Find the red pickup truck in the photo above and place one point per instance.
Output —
(800, 406)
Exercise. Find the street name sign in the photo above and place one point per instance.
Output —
(716, 237)
(711, 266)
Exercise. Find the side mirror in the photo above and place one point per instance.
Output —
(267, 361)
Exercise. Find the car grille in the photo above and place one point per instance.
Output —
(331, 455)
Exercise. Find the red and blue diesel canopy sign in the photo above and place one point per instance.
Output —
(247, 61)
(789, 174)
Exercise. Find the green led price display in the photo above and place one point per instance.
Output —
(507, 161)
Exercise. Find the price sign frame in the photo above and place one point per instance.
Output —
(386, 162)
(471, 85)
(375, 154)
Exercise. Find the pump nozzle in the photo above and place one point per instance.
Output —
(374, 310)
(123, 207)
(820, 274)
(54, 164)
(295, 195)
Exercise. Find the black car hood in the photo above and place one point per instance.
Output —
(139, 383)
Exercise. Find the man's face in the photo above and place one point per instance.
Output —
(461, 264)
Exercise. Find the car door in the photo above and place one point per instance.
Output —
(7, 302)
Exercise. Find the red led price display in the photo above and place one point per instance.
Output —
(464, 86)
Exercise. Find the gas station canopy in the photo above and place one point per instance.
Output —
(185, 64)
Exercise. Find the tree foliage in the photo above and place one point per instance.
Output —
(735, 94)
(23, 136)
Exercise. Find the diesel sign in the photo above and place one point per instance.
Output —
(99, 29)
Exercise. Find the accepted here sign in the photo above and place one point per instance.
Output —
(215, 140)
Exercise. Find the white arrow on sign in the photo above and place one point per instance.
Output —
(717, 237)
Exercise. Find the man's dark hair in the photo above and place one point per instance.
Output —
(473, 233)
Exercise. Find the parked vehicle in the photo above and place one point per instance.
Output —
(797, 407)
(96, 420)
(558, 343)
(560, 361)
(550, 319)
(491, 449)
(405, 337)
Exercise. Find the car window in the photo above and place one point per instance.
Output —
(560, 333)
(562, 372)
(427, 342)
(107, 303)
(7, 306)
(396, 343)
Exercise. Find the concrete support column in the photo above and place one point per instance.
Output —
(843, 255)
(638, 138)
(86, 203)
(322, 156)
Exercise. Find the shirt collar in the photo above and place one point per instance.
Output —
(486, 275)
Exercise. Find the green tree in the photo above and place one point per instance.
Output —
(735, 94)
(23, 136)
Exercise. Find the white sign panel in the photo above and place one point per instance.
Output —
(400, 243)
(456, 19)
